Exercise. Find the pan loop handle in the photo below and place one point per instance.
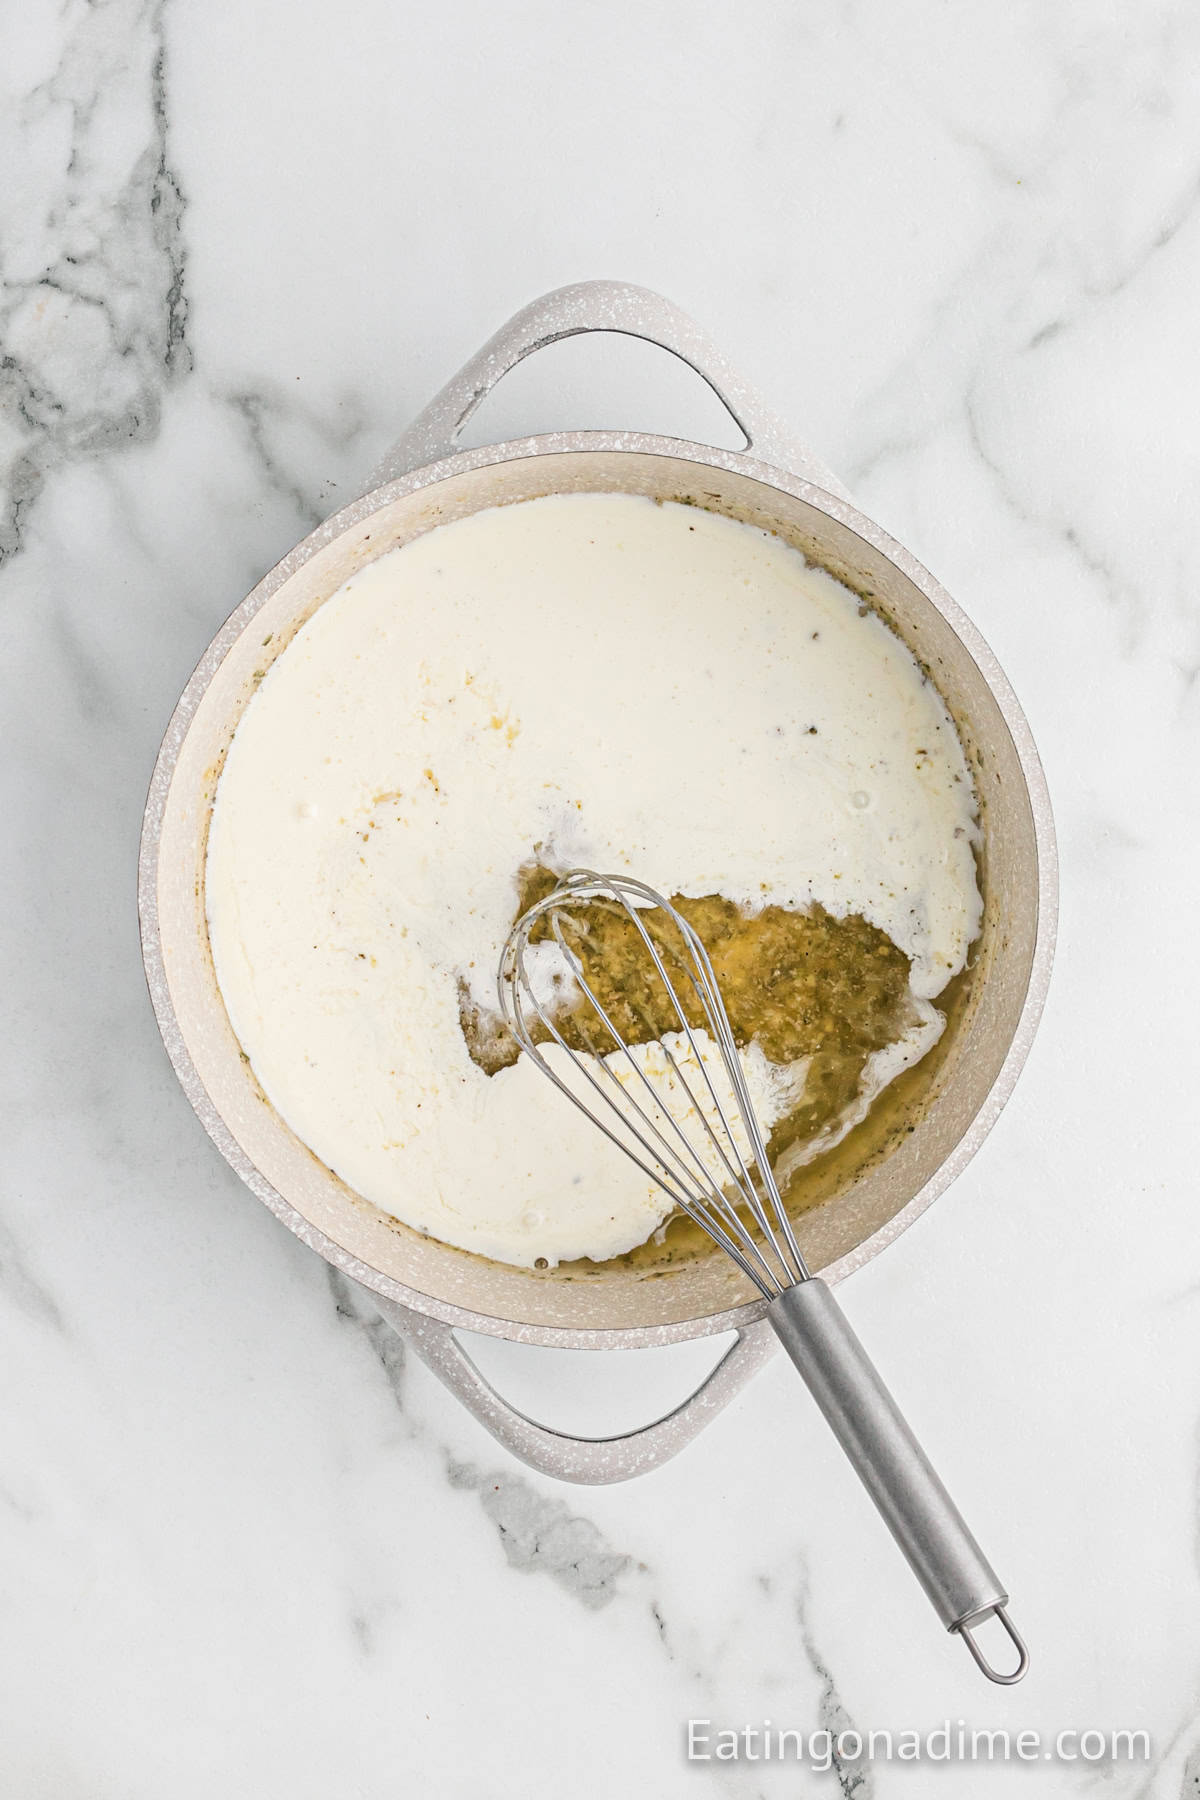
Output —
(993, 1674)
(591, 1461)
(588, 306)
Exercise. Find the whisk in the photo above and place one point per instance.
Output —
(687, 1120)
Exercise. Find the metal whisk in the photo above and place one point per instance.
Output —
(683, 1113)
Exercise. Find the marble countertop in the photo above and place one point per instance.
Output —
(247, 1547)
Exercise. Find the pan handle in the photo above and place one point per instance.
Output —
(593, 1461)
(598, 306)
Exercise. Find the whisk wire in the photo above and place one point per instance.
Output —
(713, 1007)
(677, 1004)
(660, 1172)
(718, 1020)
(679, 1164)
(703, 1174)
(665, 1153)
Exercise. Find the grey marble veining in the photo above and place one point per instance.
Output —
(93, 300)
(544, 1535)
(244, 1547)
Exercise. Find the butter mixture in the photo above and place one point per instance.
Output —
(592, 680)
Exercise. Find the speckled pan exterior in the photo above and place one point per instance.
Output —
(426, 1288)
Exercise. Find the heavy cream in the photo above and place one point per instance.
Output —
(585, 679)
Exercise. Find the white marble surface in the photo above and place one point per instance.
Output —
(246, 1549)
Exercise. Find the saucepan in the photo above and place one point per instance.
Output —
(427, 1290)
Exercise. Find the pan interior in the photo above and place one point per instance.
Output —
(861, 1189)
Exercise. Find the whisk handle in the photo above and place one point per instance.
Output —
(892, 1466)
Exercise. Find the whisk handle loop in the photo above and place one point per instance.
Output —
(892, 1466)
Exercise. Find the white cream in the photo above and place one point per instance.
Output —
(601, 681)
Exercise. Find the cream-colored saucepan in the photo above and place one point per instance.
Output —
(424, 1288)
